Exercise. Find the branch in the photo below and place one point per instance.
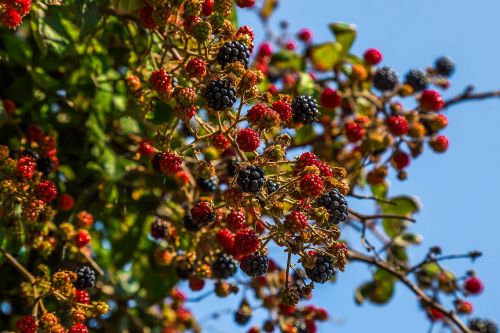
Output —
(468, 95)
(357, 256)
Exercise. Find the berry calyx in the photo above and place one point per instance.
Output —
(330, 98)
(372, 56)
(248, 139)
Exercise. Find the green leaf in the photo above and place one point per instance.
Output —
(233, 18)
(162, 113)
(17, 49)
(345, 34)
(378, 292)
(88, 16)
(325, 56)
(402, 205)
(379, 190)
(304, 134)
(306, 85)
(286, 59)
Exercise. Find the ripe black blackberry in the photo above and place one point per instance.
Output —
(224, 266)
(220, 95)
(255, 264)
(208, 185)
(232, 52)
(30, 153)
(483, 326)
(251, 179)
(323, 269)
(45, 165)
(190, 224)
(385, 79)
(159, 229)
(271, 186)
(305, 110)
(444, 66)
(85, 278)
(336, 205)
(242, 317)
(417, 79)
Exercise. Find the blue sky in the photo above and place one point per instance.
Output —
(457, 189)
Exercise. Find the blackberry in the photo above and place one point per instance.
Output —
(323, 269)
(232, 52)
(271, 186)
(208, 185)
(85, 278)
(190, 225)
(242, 317)
(159, 229)
(224, 266)
(417, 79)
(336, 205)
(305, 110)
(444, 66)
(251, 179)
(220, 95)
(45, 165)
(483, 326)
(29, 153)
(255, 264)
(385, 79)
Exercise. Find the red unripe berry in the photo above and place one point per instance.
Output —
(46, 191)
(354, 131)
(464, 307)
(272, 89)
(330, 98)
(246, 242)
(26, 167)
(398, 125)
(296, 221)
(305, 35)
(9, 106)
(26, 324)
(311, 185)
(400, 160)
(170, 163)
(220, 141)
(201, 210)
(256, 113)
(246, 30)
(84, 219)
(434, 314)
(34, 133)
(160, 82)
(65, 202)
(284, 109)
(11, 18)
(439, 144)
(146, 148)
(473, 285)
(196, 284)
(208, 7)
(82, 296)
(372, 56)
(245, 3)
(321, 314)
(22, 6)
(182, 178)
(178, 295)
(290, 45)
(248, 139)
(78, 328)
(146, 17)
(265, 50)
(325, 169)
(196, 67)
(287, 310)
(226, 238)
(305, 160)
(236, 220)
(431, 100)
(82, 238)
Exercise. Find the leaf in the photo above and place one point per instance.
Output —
(379, 190)
(402, 206)
(286, 59)
(162, 113)
(304, 134)
(88, 16)
(17, 49)
(345, 34)
(306, 85)
(378, 292)
(126, 6)
(325, 56)
(233, 18)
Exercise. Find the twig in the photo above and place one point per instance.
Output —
(468, 95)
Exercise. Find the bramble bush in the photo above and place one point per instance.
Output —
(144, 143)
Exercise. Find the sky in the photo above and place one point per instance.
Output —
(457, 189)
